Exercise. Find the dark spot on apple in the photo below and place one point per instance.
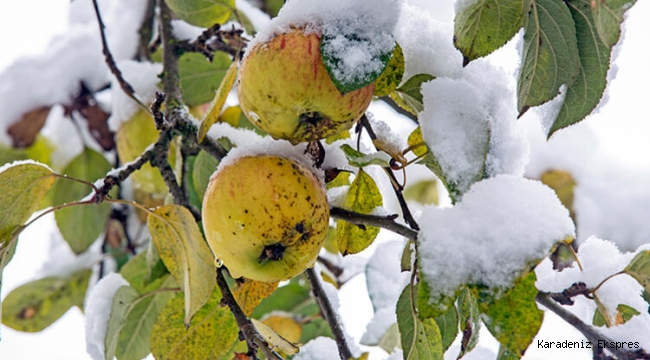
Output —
(272, 252)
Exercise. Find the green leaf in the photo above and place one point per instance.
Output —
(363, 197)
(513, 318)
(624, 313)
(290, 298)
(185, 254)
(421, 339)
(199, 78)
(36, 305)
(409, 95)
(550, 56)
(583, 95)
(406, 261)
(425, 192)
(81, 225)
(470, 322)
(22, 187)
(40, 151)
(133, 341)
(392, 75)
(359, 159)
(209, 336)
(608, 16)
(212, 115)
(448, 325)
(639, 268)
(333, 59)
(204, 166)
(122, 302)
(485, 26)
(203, 13)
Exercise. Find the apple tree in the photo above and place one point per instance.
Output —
(239, 162)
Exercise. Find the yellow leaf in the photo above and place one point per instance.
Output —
(563, 184)
(185, 254)
(277, 342)
(285, 326)
(250, 293)
(231, 116)
(219, 100)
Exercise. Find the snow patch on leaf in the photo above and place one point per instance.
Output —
(491, 236)
(98, 307)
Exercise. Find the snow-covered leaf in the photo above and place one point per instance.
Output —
(391, 77)
(639, 268)
(36, 305)
(583, 95)
(275, 341)
(219, 100)
(250, 293)
(608, 16)
(363, 197)
(203, 13)
(409, 96)
(513, 332)
(185, 254)
(421, 339)
(122, 303)
(359, 159)
(343, 52)
(81, 225)
(200, 78)
(210, 335)
(486, 25)
(550, 57)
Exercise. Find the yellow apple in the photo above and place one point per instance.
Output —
(265, 217)
(285, 90)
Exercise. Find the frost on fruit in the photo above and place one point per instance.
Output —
(265, 217)
(284, 83)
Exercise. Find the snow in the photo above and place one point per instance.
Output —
(469, 123)
(70, 59)
(22, 162)
(427, 44)
(258, 18)
(143, 77)
(376, 328)
(98, 307)
(323, 348)
(501, 225)
(384, 278)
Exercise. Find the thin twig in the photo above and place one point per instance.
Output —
(253, 339)
(406, 212)
(330, 315)
(386, 222)
(110, 61)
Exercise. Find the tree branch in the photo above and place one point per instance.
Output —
(253, 339)
(110, 61)
(171, 77)
(330, 315)
(386, 222)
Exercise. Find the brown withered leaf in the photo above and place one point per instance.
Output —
(23, 132)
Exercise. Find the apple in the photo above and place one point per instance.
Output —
(285, 90)
(265, 217)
